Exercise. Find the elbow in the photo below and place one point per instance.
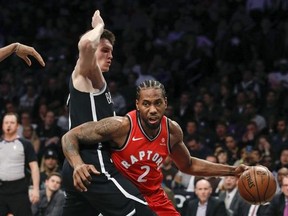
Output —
(186, 167)
(86, 45)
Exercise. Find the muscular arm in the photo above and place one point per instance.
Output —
(22, 51)
(114, 129)
(192, 165)
(87, 70)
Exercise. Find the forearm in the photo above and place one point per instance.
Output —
(35, 175)
(93, 36)
(201, 167)
(71, 151)
(7, 51)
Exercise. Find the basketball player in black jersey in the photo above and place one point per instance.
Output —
(108, 192)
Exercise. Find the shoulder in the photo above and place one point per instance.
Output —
(25, 142)
(176, 133)
(174, 127)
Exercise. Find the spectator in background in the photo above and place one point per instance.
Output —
(15, 155)
(169, 172)
(25, 120)
(198, 115)
(182, 108)
(279, 138)
(196, 148)
(250, 135)
(250, 114)
(270, 106)
(205, 204)
(264, 145)
(51, 197)
(283, 159)
(232, 147)
(119, 102)
(52, 94)
(280, 175)
(30, 134)
(63, 119)
(278, 203)
(27, 101)
(212, 110)
(49, 164)
(247, 84)
(128, 90)
(230, 194)
(49, 133)
(191, 128)
(22, 51)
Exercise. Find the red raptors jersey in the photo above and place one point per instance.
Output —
(140, 160)
(141, 157)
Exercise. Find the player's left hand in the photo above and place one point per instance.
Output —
(82, 177)
(24, 51)
(240, 169)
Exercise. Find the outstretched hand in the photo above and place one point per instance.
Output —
(24, 51)
(82, 177)
(97, 19)
(240, 169)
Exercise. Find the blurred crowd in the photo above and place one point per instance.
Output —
(224, 64)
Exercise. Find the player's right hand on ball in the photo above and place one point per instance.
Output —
(82, 177)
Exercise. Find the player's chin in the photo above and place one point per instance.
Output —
(154, 125)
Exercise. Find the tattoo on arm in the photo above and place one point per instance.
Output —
(70, 147)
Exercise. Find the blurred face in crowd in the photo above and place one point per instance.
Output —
(198, 107)
(27, 132)
(284, 186)
(284, 157)
(53, 183)
(230, 182)
(221, 130)
(222, 157)
(203, 190)
(230, 142)
(191, 127)
(50, 162)
(281, 173)
(281, 126)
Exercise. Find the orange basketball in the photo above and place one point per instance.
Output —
(257, 185)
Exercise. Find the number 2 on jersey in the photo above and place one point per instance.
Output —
(141, 178)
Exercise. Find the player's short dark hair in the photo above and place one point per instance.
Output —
(109, 36)
(150, 84)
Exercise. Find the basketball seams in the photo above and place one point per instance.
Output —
(256, 184)
(247, 190)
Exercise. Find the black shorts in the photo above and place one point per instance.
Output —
(14, 198)
(109, 193)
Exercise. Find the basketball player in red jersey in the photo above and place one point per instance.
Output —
(141, 141)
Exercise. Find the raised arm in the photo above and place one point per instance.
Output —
(113, 129)
(87, 66)
(22, 51)
(193, 165)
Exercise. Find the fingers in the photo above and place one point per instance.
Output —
(82, 177)
(27, 60)
(38, 57)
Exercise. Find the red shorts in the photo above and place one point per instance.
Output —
(161, 204)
